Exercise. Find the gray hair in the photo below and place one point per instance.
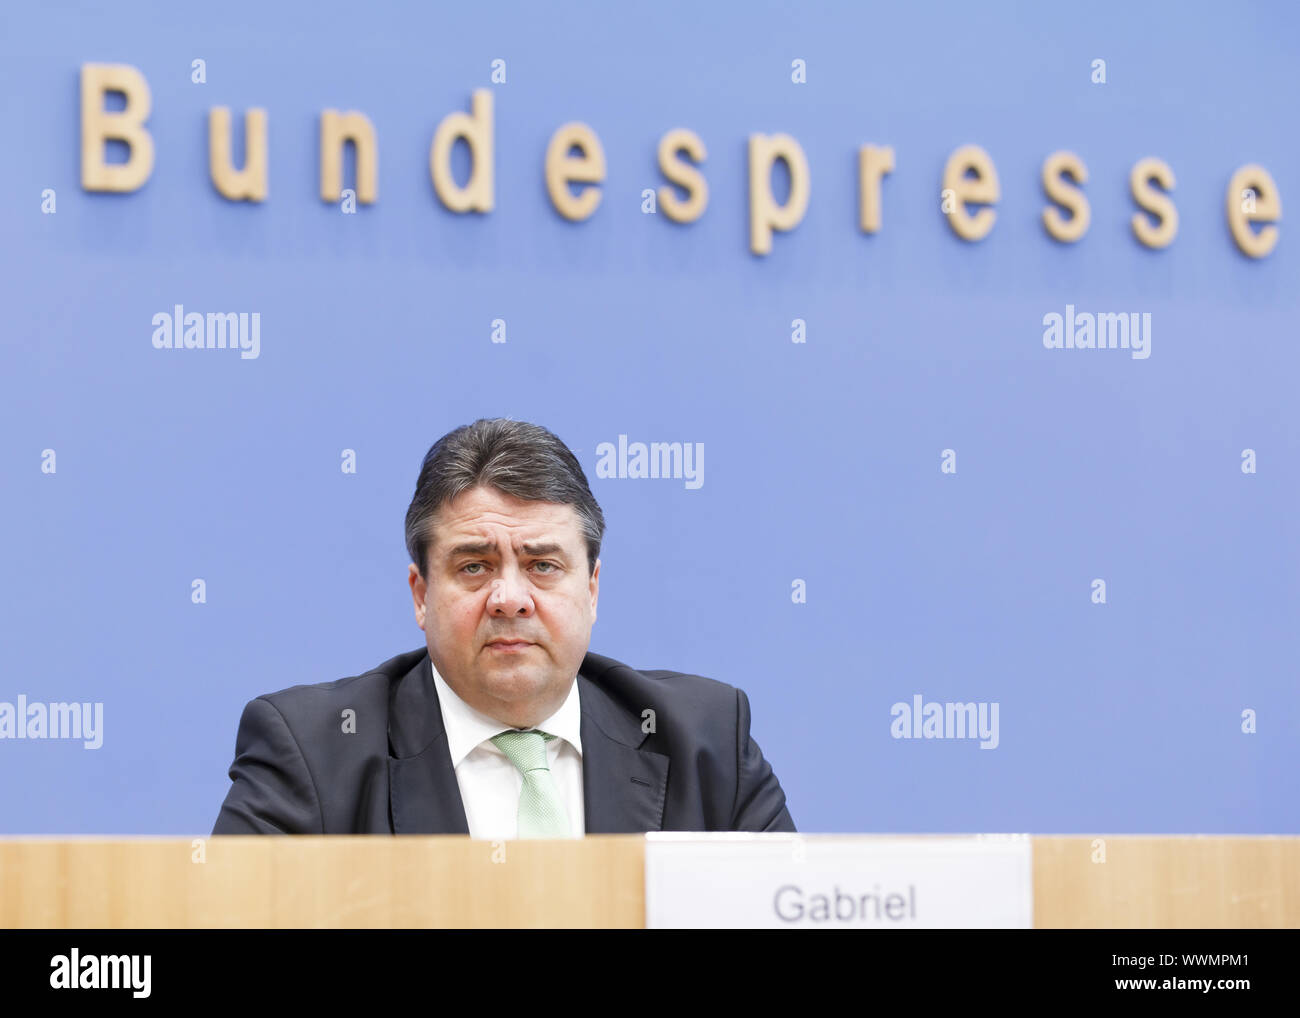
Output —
(515, 457)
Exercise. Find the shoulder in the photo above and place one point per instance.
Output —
(369, 688)
(646, 685)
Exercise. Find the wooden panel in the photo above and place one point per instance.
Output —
(317, 882)
(599, 881)
(1167, 882)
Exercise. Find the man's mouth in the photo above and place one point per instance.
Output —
(509, 646)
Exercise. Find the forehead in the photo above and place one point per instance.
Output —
(487, 512)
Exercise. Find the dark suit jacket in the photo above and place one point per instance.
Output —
(297, 771)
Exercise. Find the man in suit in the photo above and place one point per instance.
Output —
(503, 725)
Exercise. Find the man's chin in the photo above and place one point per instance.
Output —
(513, 683)
(521, 688)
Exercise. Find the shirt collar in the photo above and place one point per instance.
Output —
(468, 728)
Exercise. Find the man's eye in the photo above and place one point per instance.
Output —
(475, 568)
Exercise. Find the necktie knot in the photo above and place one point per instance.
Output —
(541, 811)
(526, 750)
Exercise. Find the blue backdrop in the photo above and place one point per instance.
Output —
(823, 458)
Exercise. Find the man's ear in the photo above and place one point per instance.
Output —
(419, 589)
(594, 588)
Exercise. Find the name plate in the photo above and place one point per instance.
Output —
(790, 881)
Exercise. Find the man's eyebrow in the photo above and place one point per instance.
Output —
(490, 548)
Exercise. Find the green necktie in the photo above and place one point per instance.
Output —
(541, 810)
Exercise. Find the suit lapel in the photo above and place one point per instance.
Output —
(423, 796)
(624, 787)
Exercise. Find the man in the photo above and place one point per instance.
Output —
(503, 725)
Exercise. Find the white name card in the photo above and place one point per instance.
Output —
(791, 881)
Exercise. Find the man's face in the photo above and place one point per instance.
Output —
(502, 568)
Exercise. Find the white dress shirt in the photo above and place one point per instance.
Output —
(489, 783)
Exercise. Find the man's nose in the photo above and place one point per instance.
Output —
(510, 595)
